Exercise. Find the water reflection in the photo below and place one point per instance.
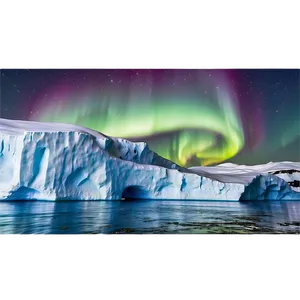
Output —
(149, 217)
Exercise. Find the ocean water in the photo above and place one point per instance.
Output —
(148, 217)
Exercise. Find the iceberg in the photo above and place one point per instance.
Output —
(55, 161)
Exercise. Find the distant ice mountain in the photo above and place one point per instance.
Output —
(52, 161)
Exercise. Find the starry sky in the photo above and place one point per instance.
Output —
(193, 117)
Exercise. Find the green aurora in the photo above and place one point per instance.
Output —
(188, 131)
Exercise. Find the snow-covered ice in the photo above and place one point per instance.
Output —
(52, 161)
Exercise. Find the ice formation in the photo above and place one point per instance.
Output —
(54, 161)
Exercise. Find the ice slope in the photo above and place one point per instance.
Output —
(59, 161)
(52, 161)
(244, 174)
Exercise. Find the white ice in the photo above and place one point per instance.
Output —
(52, 161)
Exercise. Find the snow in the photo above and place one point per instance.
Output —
(244, 174)
(54, 161)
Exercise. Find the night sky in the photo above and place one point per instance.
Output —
(193, 117)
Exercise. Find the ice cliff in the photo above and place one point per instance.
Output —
(269, 187)
(51, 161)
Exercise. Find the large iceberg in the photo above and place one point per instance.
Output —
(53, 161)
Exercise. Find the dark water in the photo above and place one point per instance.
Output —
(149, 217)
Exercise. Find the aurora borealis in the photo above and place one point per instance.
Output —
(193, 117)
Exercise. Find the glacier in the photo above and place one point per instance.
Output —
(55, 161)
